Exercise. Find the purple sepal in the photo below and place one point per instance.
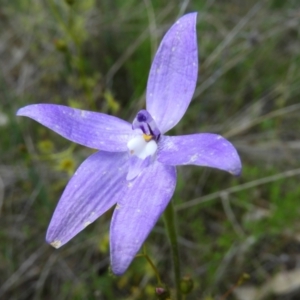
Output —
(173, 75)
(91, 129)
(205, 149)
(137, 212)
(96, 186)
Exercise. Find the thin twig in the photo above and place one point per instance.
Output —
(241, 187)
(22, 269)
(272, 114)
(43, 275)
(230, 215)
(229, 38)
(152, 26)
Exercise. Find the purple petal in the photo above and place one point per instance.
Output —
(206, 149)
(137, 212)
(173, 74)
(91, 129)
(95, 187)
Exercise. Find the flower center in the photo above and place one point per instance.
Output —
(145, 144)
(142, 148)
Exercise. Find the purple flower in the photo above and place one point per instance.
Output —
(135, 167)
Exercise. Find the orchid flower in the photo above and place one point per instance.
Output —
(135, 167)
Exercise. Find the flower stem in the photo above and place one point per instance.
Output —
(144, 254)
(169, 218)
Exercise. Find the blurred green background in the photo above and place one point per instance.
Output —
(96, 55)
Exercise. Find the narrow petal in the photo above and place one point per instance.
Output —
(138, 211)
(91, 129)
(95, 187)
(173, 74)
(206, 149)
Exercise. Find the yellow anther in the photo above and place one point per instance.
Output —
(147, 137)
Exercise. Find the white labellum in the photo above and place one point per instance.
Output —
(141, 148)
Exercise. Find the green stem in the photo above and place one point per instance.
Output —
(144, 254)
(169, 218)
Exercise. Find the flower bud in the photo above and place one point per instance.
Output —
(162, 293)
(186, 285)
